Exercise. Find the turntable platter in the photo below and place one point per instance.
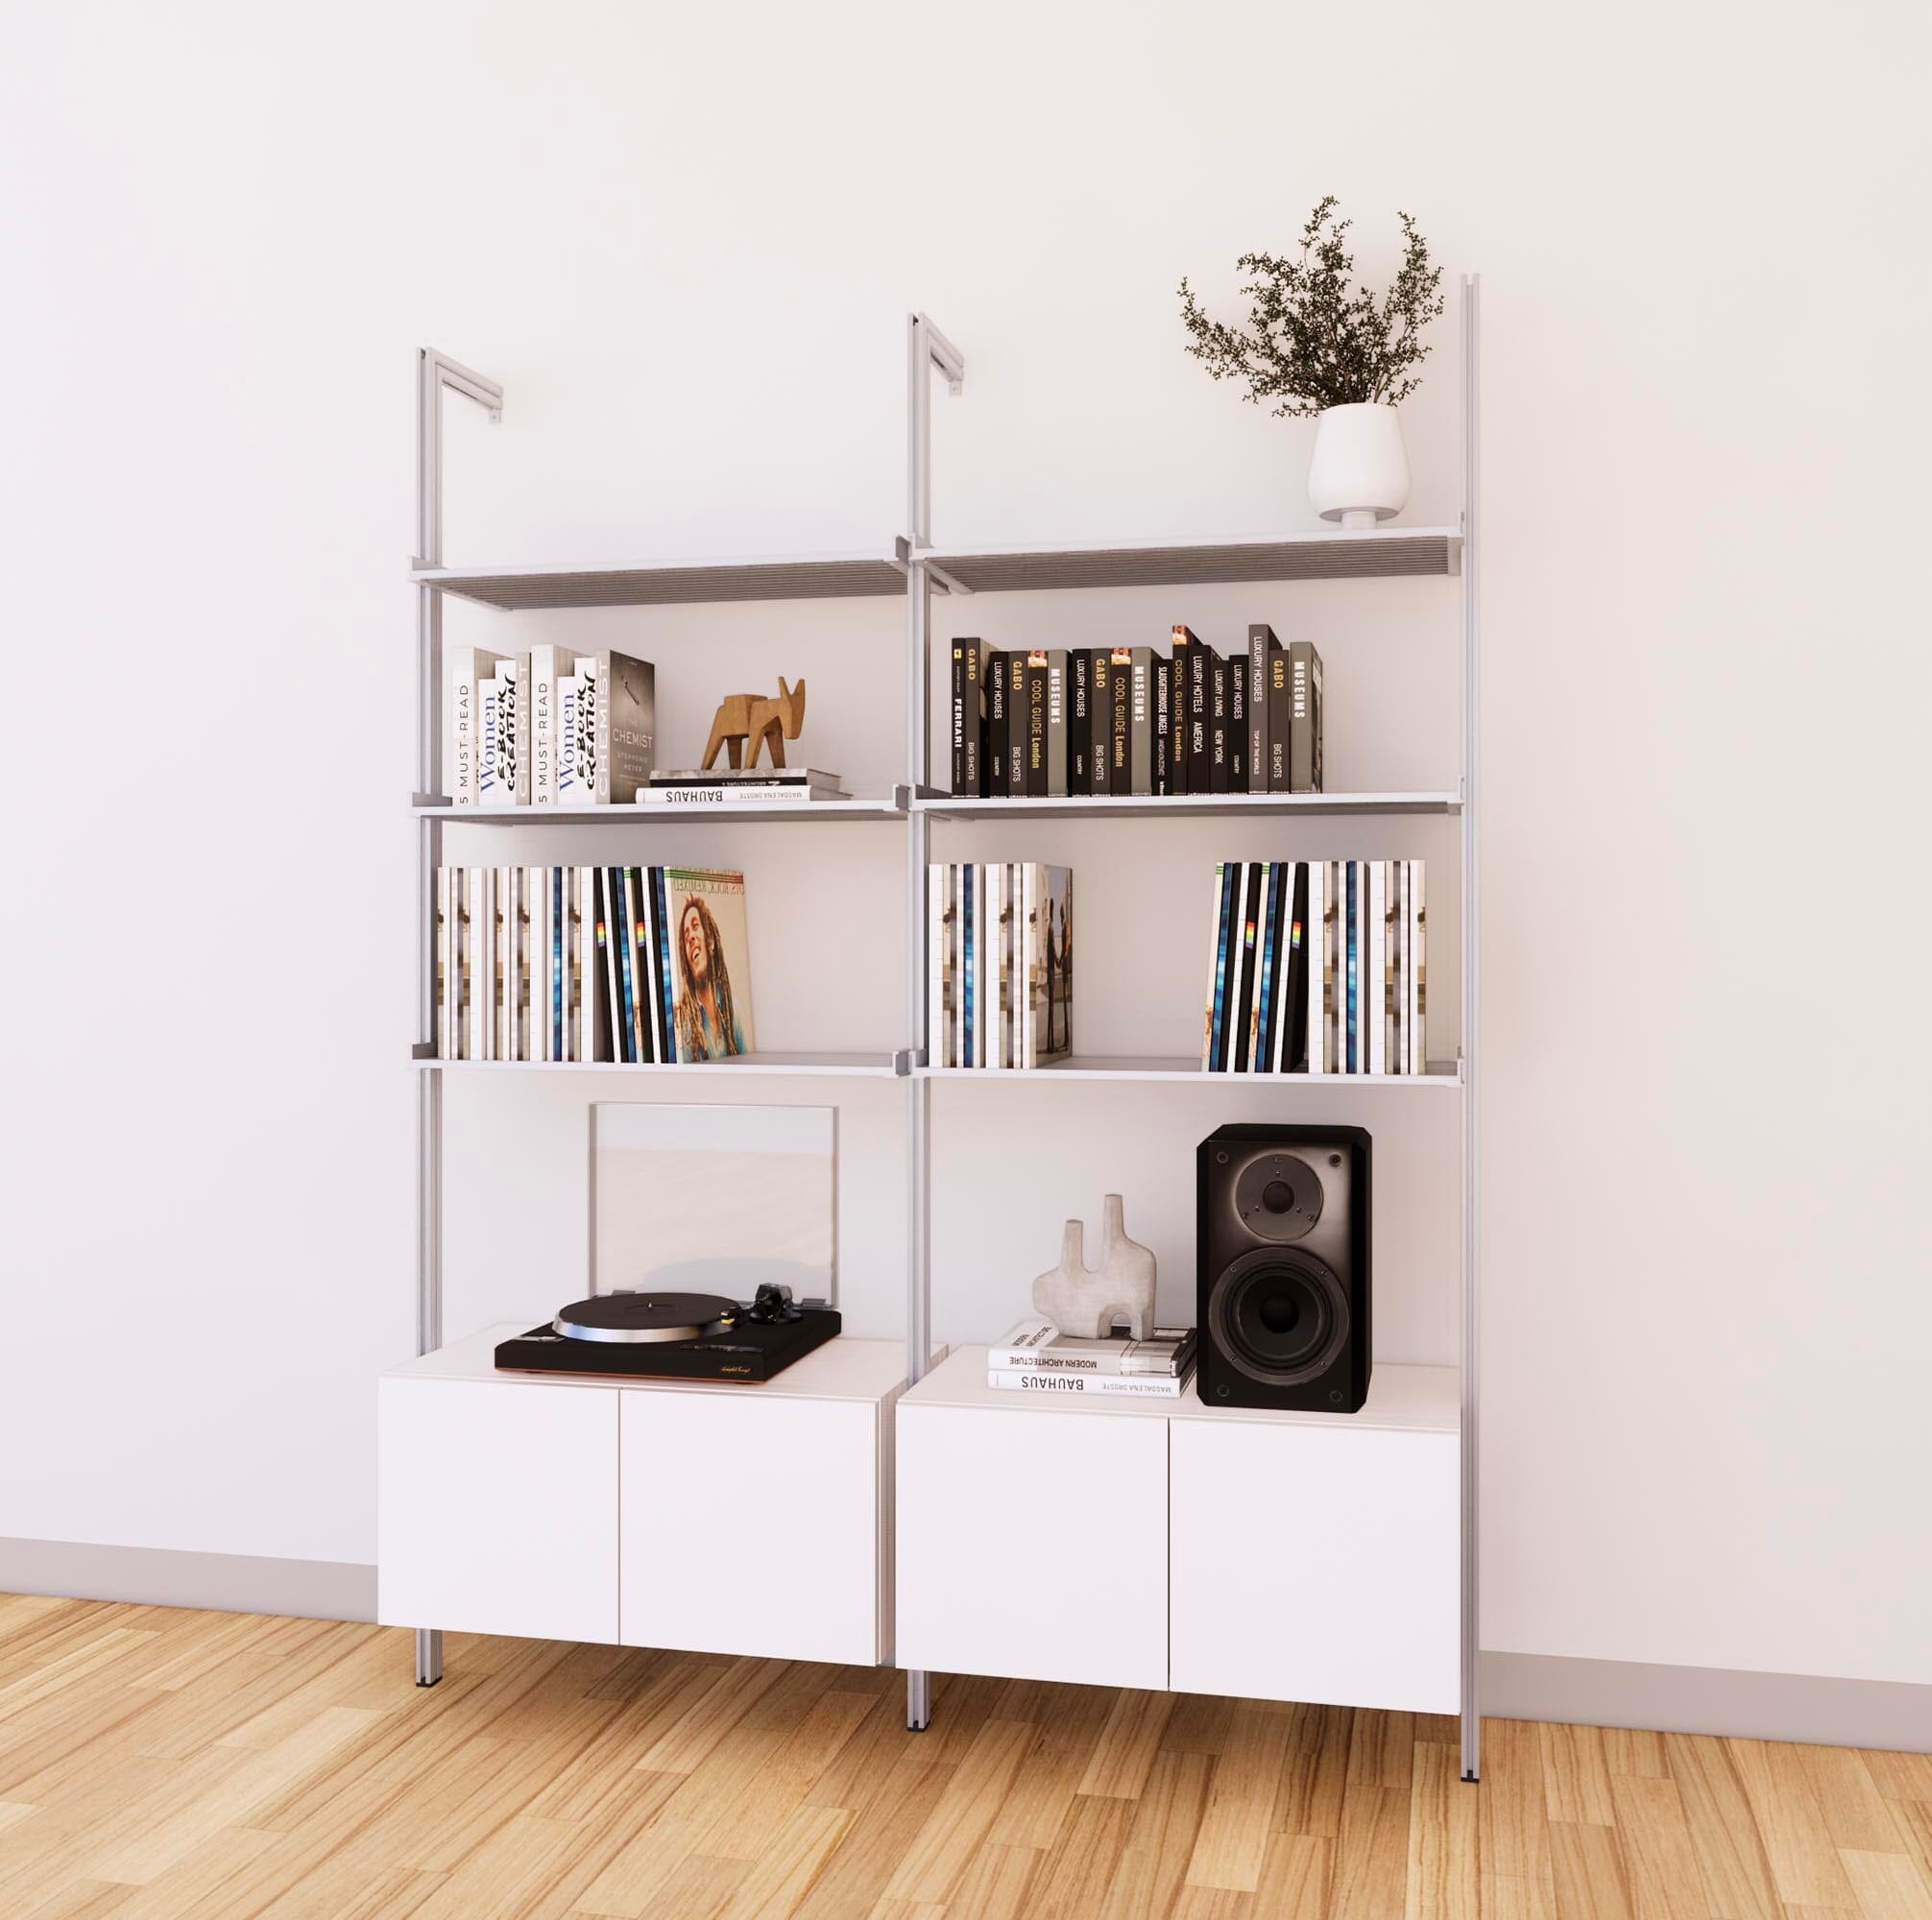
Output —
(641, 1318)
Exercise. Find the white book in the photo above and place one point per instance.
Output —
(1396, 1018)
(700, 797)
(547, 665)
(556, 1019)
(935, 963)
(1033, 889)
(576, 735)
(540, 964)
(959, 954)
(1315, 939)
(1002, 1041)
(1418, 1061)
(532, 963)
(1094, 1386)
(469, 668)
(1375, 998)
(497, 706)
(478, 1034)
(443, 973)
(590, 1024)
(988, 960)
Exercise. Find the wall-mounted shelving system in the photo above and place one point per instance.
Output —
(913, 566)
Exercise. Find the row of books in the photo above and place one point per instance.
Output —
(1317, 966)
(549, 727)
(626, 964)
(1128, 720)
(1034, 1356)
(999, 952)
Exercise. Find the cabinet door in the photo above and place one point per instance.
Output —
(497, 1508)
(1317, 1563)
(1033, 1543)
(751, 1525)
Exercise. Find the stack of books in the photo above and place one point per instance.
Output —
(1091, 721)
(778, 787)
(547, 728)
(1036, 1358)
(1317, 966)
(1000, 949)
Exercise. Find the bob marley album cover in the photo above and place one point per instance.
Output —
(709, 963)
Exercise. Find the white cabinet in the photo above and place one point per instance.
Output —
(1314, 1562)
(1167, 1544)
(684, 1514)
(753, 1526)
(497, 1507)
(1032, 1539)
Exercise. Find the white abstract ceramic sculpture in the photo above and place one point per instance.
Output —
(1083, 1300)
(1360, 473)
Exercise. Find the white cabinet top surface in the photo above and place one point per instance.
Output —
(842, 1369)
(1403, 1398)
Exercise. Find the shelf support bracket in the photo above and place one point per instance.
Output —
(435, 373)
(928, 350)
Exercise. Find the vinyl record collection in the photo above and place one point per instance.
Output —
(1092, 721)
(1317, 966)
(638, 965)
(1001, 949)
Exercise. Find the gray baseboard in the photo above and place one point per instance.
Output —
(237, 1583)
(1806, 1707)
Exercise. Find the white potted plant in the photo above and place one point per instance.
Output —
(1319, 345)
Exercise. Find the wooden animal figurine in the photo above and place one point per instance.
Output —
(759, 720)
(1084, 1301)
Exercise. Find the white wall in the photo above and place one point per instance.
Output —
(686, 239)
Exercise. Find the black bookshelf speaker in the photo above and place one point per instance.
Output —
(1282, 1268)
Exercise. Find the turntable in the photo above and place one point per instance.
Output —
(652, 1335)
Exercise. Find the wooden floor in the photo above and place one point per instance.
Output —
(169, 1766)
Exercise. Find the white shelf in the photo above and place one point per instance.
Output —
(1401, 1399)
(893, 808)
(865, 1066)
(671, 583)
(1189, 805)
(1441, 1073)
(844, 1368)
(1380, 553)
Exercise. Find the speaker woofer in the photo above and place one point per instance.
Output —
(1281, 1317)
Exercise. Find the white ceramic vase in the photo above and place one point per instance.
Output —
(1360, 473)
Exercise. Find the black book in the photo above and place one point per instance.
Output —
(1301, 940)
(1261, 643)
(1304, 739)
(610, 1002)
(1216, 726)
(1120, 761)
(1015, 665)
(1274, 963)
(996, 764)
(1241, 1027)
(1140, 721)
(1178, 726)
(1164, 727)
(1036, 726)
(1056, 723)
(1079, 721)
(958, 711)
(1103, 720)
(969, 717)
(1201, 658)
(1237, 724)
(1278, 709)
(1228, 971)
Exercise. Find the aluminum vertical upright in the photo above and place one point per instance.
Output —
(434, 372)
(1472, 1005)
(926, 348)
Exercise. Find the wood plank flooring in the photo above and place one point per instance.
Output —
(158, 1764)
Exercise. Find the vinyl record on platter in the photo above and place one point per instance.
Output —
(639, 1318)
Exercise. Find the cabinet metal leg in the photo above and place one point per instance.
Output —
(428, 1655)
(918, 1700)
